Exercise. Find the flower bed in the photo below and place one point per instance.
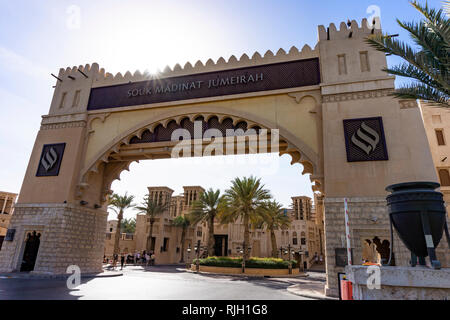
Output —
(236, 262)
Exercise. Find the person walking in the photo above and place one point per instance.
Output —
(122, 261)
(147, 258)
(115, 258)
(152, 257)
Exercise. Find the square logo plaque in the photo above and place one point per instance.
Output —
(365, 140)
(50, 160)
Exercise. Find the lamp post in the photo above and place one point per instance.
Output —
(197, 262)
(289, 257)
(188, 264)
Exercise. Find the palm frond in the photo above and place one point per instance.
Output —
(423, 92)
(429, 65)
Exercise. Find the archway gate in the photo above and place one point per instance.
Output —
(330, 105)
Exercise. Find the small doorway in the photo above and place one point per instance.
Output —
(221, 245)
(30, 252)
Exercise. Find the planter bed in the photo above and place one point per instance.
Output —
(248, 271)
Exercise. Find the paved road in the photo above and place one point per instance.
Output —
(156, 283)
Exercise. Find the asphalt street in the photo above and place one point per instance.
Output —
(154, 283)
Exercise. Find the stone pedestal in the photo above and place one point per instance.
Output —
(400, 283)
(69, 235)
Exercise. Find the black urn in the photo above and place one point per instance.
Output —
(418, 214)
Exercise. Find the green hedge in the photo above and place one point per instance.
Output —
(236, 262)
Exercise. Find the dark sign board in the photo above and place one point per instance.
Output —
(341, 259)
(276, 76)
(50, 160)
(10, 234)
(365, 140)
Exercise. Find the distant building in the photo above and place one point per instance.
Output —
(305, 235)
(127, 242)
(437, 126)
(7, 201)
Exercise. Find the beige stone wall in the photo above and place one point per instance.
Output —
(70, 235)
(438, 119)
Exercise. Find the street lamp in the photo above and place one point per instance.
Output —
(188, 264)
(244, 247)
(197, 262)
(290, 258)
(287, 251)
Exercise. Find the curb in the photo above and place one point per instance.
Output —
(292, 290)
(57, 276)
(248, 275)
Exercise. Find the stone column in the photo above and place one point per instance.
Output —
(70, 235)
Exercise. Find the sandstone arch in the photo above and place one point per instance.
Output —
(108, 163)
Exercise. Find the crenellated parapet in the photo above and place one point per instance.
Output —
(103, 78)
(349, 30)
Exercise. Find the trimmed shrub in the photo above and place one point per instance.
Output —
(236, 262)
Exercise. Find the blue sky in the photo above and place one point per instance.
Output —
(37, 38)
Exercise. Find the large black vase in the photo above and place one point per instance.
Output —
(406, 204)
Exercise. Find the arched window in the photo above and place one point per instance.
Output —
(444, 176)
(303, 238)
(294, 238)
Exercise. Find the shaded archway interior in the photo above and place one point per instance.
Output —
(155, 142)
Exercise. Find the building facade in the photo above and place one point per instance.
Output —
(127, 241)
(437, 126)
(304, 236)
(7, 201)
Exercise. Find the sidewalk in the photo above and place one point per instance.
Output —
(107, 273)
(312, 287)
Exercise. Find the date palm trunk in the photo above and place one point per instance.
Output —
(183, 235)
(211, 241)
(274, 243)
(149, 238)
(246, 238)
(117, 235)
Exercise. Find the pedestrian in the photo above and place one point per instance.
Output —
(115, 258)
(316, 258)
(152, 257)
(321, 258)
(147, 258)
(122, 261)
(138, 256)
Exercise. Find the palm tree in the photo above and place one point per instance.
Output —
(119, 204)
(206, 209)
(428, 66)
(245, 200)
(274, 218)
(182, 222)
(152, 209)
